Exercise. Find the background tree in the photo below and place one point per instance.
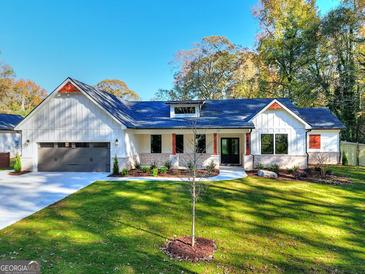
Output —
(18, 96)
(206, 71)
(286, 45)
(118, 88)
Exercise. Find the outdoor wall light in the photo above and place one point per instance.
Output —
(27, 141)
(116, 142)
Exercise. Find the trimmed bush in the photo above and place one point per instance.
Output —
(211, 167)
(116, 166)
(345, 161)
(260, 166)
(274, 168)
(17, 163)
(163, 170)
(145, 169)
(153, 165)
(154, 172)
(124, 172)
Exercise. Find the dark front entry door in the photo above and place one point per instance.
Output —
(230, 151)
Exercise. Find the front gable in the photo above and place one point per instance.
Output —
(71, 95)
(275, 118)
(285, 114)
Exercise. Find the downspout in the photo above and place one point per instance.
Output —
(306, 145)
(253, 156)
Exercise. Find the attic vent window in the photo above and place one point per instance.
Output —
(184, 110)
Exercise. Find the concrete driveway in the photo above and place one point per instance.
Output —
(21, 196)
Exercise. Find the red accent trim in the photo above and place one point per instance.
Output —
(275, 106)
(174, 144)
(314, 141)
(248, 143)
(68, 88)
(215, 152)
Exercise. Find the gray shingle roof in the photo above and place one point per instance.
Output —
(320, 118)
(227, 113)
(9, 121)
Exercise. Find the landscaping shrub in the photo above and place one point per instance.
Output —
(154, 172)
(290, 170)
(260, 166)
(211, 167)
(116, 166)
(163, 170)
(153, 165)
(146, 169)
(345, 161)
(124, 172)
(295, 169)
(274, 168)
(167, 164)
(18, 163)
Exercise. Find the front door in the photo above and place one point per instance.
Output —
(230, 151)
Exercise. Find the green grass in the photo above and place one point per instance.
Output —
(259, 225)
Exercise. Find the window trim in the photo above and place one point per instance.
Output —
(179, 115)
(274, 143)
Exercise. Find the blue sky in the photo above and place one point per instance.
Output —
(134, 40)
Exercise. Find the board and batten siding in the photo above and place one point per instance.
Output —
(330, 140)
(279, 121)
(69, 118)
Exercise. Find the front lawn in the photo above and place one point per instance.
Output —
(259, 225)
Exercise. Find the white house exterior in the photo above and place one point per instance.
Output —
(80, 128)
(10, 140)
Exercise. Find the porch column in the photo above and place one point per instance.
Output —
(215, 151)
(174, 144)
(248, 143)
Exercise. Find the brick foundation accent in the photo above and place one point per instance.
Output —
(180, 159)
(330, 158)
(284, 161)
(157, 158)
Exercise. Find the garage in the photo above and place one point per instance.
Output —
(74, 157)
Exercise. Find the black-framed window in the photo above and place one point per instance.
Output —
(267, 143)
(179, 143)
(280, 146)
(201, 144)
(184, 110)
(156, 145)
(281, 143)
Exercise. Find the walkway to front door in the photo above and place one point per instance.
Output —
(230, 151)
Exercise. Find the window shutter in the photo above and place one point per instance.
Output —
(315, 141)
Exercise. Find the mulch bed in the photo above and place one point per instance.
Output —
(13, 173)
(172, 173)
(313, 177)
(181, 249)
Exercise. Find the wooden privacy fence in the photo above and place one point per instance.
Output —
(5, 160)
(355, 153)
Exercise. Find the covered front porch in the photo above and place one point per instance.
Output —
(225, 147)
